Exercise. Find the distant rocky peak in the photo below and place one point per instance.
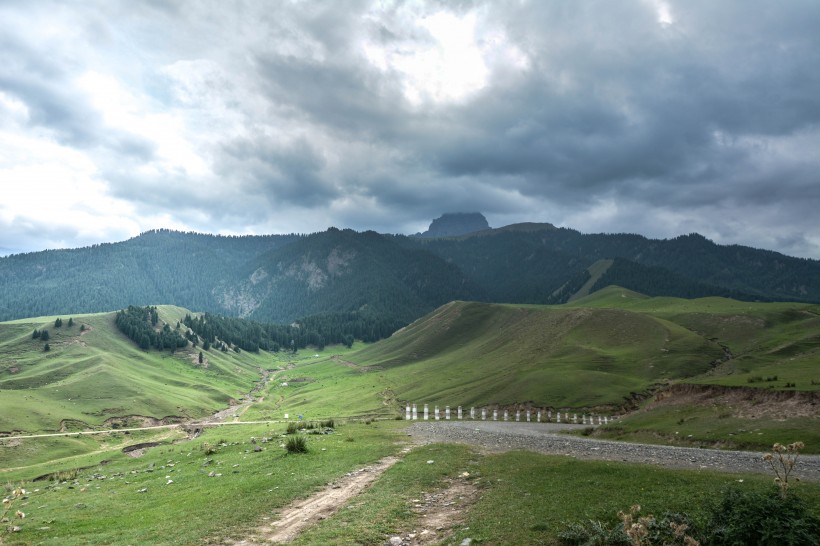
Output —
(453, 224)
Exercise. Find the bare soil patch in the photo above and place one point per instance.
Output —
(743, 402)
(440, 512)
(307, 512)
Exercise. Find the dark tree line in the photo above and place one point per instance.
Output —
(138, 324)
(316, 331)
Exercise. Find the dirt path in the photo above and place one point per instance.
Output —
(235, 411)
(439, 512)
(321, 505)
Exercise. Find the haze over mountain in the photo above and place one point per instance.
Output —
(281, 278)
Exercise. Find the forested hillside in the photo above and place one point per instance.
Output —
(543, 259)
(386, 280)
(341, 270)
(161, 266)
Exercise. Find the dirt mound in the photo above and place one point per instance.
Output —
(745, 402)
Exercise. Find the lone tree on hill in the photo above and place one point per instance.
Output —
(58, 322)
(201, 358)
(70, 322)
(44, 335)
(46, 347)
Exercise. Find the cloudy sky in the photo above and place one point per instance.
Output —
(644, 116)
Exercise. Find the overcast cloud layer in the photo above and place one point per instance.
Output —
(652, 117)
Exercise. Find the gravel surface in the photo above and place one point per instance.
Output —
(544, 438)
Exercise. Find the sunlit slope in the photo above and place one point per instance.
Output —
(764, 339)
(475, 354)
(93, 373)
(594, 352)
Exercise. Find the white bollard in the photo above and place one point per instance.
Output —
(539, 416)
(517, 415)
(549, 415)
(575, 418)
(559, 417)
(495, 415)
(407, 413)
(436, 413)
(447, 412)
(459, 413)
(483, 414)
(415, 413)
(528, 416)
(505, 415)
(426, 412)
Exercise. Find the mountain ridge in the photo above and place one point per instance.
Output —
(282, 278)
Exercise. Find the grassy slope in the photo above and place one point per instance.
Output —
(94, 375)
(766, 339)
(590, 353)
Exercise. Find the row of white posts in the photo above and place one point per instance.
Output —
(411, 413)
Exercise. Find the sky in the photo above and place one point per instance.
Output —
(253, 117)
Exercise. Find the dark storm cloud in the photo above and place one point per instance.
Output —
(284, 174)
(668, 119)
(644, 116)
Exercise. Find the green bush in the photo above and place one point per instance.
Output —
(296, 444)
(293, 428)
(742, 517)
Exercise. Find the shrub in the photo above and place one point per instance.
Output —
(293, 428)
(296, 444)
(782, 460)
(328, 424)
(762, 518)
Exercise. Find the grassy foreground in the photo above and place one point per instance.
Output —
(167, 496)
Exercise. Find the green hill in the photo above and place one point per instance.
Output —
(93, 373)
(594, 353)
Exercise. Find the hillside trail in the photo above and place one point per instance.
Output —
(304, 513)
(237, 410)
(438, 512)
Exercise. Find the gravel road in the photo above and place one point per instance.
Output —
(545, 438)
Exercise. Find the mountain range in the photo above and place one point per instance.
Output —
(281, 278)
